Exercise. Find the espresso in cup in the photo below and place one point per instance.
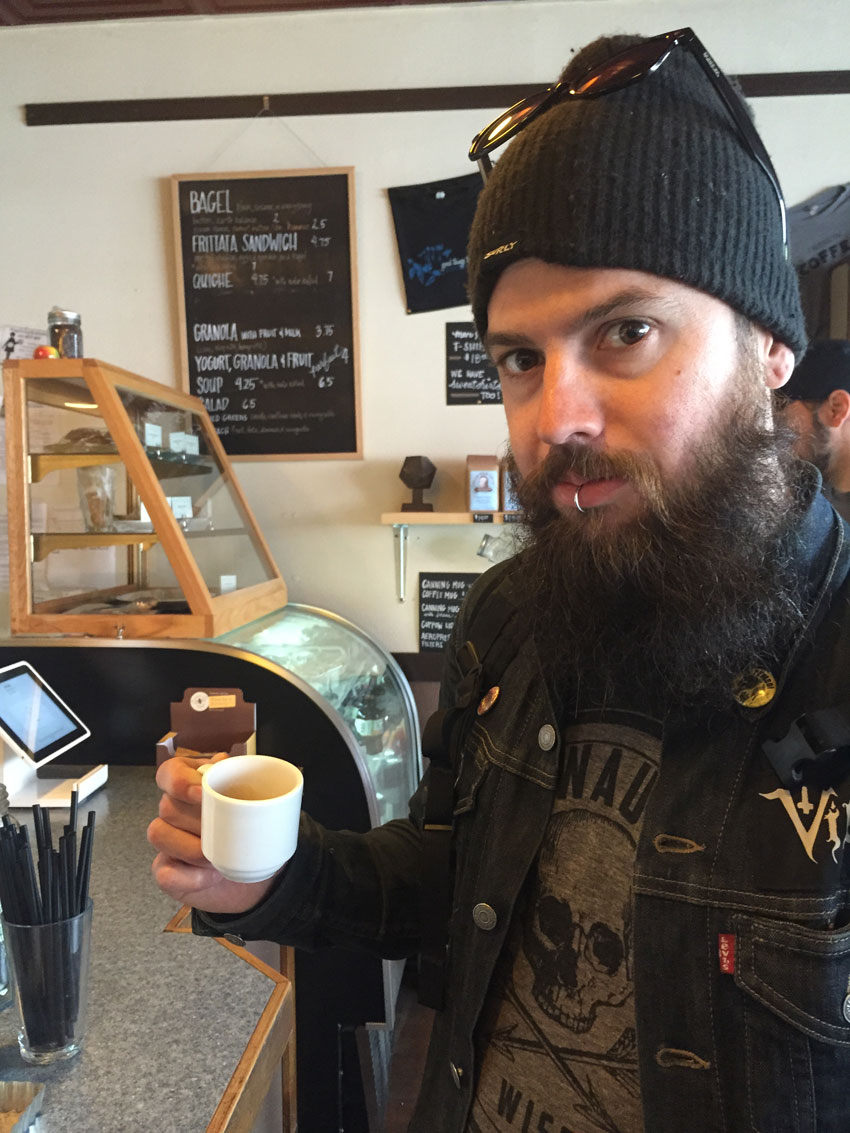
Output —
(250, 808)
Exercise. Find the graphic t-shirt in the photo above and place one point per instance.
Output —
(432, 223)
(557, 1043)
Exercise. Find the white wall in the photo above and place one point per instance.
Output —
(85, 216)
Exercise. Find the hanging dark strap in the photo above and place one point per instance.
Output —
(437, 871)
(815, 749)
(479, 663)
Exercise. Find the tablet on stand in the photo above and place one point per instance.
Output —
(36, 725)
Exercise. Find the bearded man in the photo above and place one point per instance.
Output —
(816, 404)
(642, 752)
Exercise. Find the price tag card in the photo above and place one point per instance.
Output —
(181, 506)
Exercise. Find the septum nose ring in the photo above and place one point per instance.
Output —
(578, 505)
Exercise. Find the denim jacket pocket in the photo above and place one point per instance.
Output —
(796, 1037)
(800, 974)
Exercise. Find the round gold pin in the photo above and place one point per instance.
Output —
(754, 688)
(488, 700)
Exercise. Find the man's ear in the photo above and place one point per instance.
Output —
(778, 361)
(836, 409)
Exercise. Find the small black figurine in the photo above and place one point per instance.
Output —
(417, 473)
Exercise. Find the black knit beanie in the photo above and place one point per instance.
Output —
(651, 178)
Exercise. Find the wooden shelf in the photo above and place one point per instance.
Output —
(445, 518)
(44, 543)
(43, 463)
(214, 532)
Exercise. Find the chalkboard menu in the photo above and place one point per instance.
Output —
(265, 276)
(471, 378)
(440, 598)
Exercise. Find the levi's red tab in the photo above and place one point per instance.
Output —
(726, 952)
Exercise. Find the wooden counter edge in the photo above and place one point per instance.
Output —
(270, 1047)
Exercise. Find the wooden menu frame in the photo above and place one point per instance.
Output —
(266, 284)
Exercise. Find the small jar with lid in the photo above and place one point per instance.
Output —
(65, 331)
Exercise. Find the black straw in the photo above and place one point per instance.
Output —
(59, 889)
(49, 978)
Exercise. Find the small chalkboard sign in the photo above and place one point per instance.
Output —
(471, 378)
(440, 599)
(265, 266)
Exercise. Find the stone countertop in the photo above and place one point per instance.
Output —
(169, 1014)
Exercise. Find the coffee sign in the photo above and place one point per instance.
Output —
(440, 599)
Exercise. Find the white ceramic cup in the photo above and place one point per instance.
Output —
(249, 815)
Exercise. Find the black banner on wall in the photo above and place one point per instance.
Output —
(440, 598)
(471, 378)
(432, 223)
(265, 266)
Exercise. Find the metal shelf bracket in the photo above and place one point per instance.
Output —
(400, 538)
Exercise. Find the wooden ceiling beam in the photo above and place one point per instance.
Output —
(16, 12)
(369, 101)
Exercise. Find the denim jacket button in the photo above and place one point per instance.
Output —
(488, 700)
(484, 916)
(457, 1074)
(845, 1007)
(546, 738)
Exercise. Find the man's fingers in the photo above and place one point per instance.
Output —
(203, 887)
(183, 845)
(185, 816)
(184, 882)
(179, 776)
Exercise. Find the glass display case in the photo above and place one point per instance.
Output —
(125, 516)
(360, 683)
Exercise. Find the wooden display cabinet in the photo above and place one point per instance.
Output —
(125, 516)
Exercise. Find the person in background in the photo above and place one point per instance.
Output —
(643, 739)
(818, 409)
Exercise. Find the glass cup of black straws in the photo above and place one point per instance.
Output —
(47, 918)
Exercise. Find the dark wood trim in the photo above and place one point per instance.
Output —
(421, 666)
(795, 83)
(370, 101)
(18, 12)
(277, 105)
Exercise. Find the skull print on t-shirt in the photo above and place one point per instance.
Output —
(557, 1039)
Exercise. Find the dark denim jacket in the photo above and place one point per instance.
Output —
(725, 852)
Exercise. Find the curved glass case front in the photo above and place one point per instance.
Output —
(364, 688)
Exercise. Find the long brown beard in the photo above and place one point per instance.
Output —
(669, 607)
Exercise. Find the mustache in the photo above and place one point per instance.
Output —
(591, 464)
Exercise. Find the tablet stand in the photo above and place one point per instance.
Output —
(26, 789)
